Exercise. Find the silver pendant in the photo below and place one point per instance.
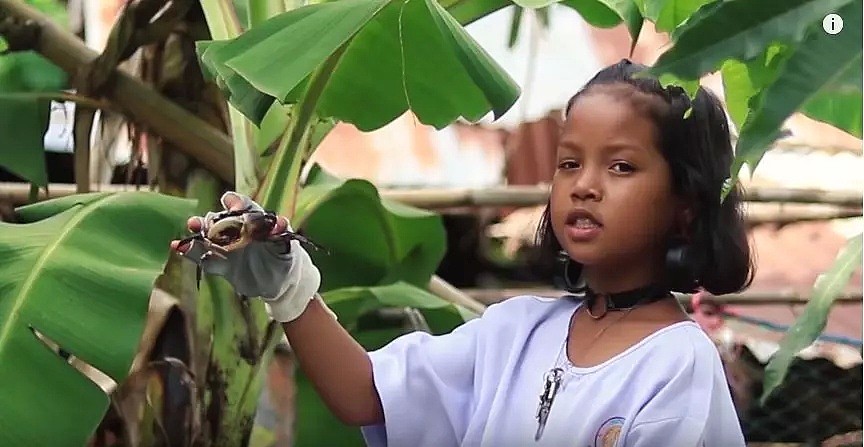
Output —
(552, 382)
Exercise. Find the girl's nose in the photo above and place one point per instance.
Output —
(586, 187)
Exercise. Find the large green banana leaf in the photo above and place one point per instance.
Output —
(79, 271)
(391, 56)
(739, 29)
(819, 63)
(370, 241)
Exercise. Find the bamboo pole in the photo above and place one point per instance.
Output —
(192, 135)
(456, 296)
(782, 217)
(530, 195)
(849, 202)
(491, 296)
(18, 193)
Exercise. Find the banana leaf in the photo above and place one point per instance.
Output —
(369, 241)
(24, 110)
(392, 56)
(77, 273)
(819, 63)
(741, 30)
(742, 81)
(610, 13)
(812, 321)
(669, 14)
(24, 113)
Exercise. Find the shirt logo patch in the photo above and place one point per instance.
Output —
(609, 432)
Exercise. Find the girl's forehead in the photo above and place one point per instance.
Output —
(600, 118)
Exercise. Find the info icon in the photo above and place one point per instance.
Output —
(832, 24)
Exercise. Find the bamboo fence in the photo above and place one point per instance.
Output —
(498, 196)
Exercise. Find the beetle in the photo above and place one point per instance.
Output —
(227, 231)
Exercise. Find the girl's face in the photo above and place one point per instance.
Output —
(612, 206)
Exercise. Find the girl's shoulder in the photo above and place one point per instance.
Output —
(682, 350)
(684, 341)
(532, 304)
(528, 310)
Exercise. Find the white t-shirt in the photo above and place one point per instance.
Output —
(480, 385)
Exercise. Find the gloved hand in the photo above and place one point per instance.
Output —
(286, 280)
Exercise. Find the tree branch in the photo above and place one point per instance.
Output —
(192, 135)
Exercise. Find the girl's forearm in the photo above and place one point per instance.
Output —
(338, 367)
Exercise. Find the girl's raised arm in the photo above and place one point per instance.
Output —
(338, 367)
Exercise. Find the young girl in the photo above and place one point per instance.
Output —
(636, 212)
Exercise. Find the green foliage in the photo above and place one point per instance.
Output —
(775, 60)
(742, 81)
(467, 11)
(396, 56)
(838, 102)
(811, 323)
(24, 112)
(288, 78)
(667, 15)
(739, 29)
(610, 13)
(78, 270)
(399, 242)
(820, 61)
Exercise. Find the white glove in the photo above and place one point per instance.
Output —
(286, 281)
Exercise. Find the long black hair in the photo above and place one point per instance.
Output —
(697, 146)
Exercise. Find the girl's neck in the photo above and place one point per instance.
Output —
(619, 279)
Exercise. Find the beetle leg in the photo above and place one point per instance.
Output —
(186, 240)
(288, 236)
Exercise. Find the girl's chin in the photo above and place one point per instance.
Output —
(583, 257)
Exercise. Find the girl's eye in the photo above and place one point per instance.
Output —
(568, 164)
(622, 168)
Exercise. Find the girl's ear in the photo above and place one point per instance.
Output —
(685, 220)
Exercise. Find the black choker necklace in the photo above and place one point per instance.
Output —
(624, 300)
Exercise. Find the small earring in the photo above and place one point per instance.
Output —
(680, 267)
(570, 285)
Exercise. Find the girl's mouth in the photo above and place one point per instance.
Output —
(582, 226)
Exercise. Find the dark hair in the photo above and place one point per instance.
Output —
(698, 149)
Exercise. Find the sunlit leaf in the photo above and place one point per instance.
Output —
(467, 11)
(741, 30)
(24, 115)
(820, 61)
(609, 13)
(839, 103)
(811, 322)
(669, 14)
(400, 243)
(80, 271)
(352, 302)
(743, 80)
(397, 55)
